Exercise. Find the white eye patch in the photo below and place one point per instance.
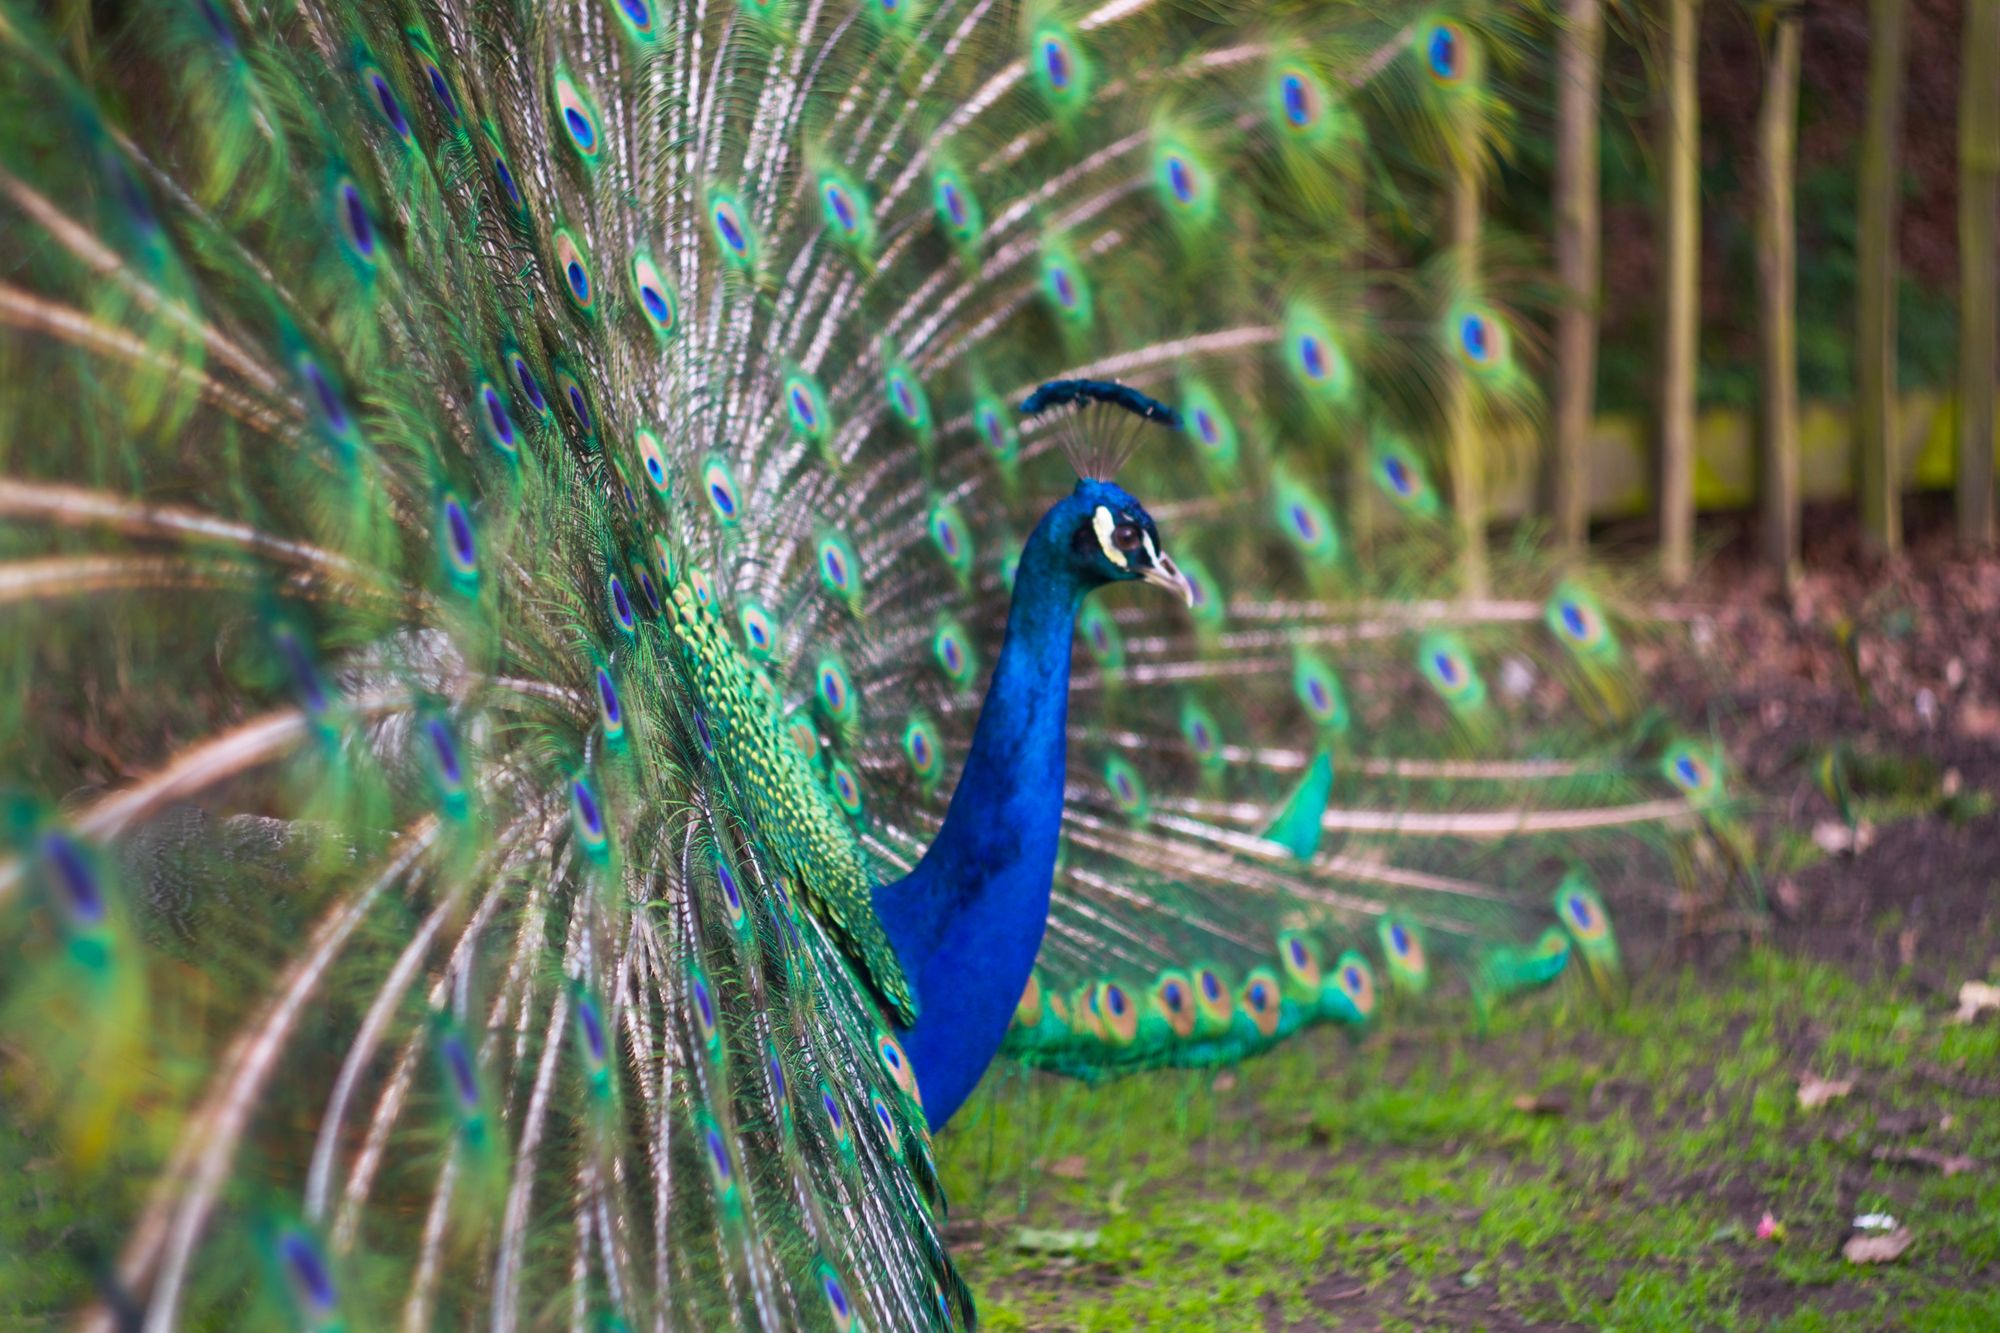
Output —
(1104, 523)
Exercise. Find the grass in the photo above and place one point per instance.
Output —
(1571, 1166)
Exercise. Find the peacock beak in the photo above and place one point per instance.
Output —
(1163, 574)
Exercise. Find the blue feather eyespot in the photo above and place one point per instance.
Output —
(837, 1303)
(1060, 70)
(493, 420)
(620, 603)
(636, 16)
(954, 657)
(702, 1005)
(1172, 998)
(994, 431)
(1401, 475)
(460, 551)
(897, 1062)
(1449, 668)
(1186, 184)
(1203, 736)
(839, 567)
(575, 270)
(77, 887)
(531, 388)
(307, 1276)
(805, 405)
(297, 658)
(922, 748)
(350, 213)
(1063, 283)
(833, 689)
(886, 1118)
(719, 485)
(381, 94)
(804, 739)
(1299, 98)
(1576, 618)
(655, 297)
(836, 1119)
(1101, 637)
(328, 408)
(948, 535)
(579, 118)
(1446, 51)
(907, 397)
(218, 24)
(1213, 1002)
(1581, 910)
(1306, 522)
(1348, 995)
(1316, 359)
(702, 586)
(648, 591)
(732, 895)
(1260, 1000)
(587, 817)
(653, 463)
(441, 92)
(1209, 423)
(847, 211)
(1480, 339)
(732, 230)
(610, 709)
(1696, 771)
(446, 764)
(957, 207)
(760, 631)
(846, 788)
(1299, 956)
(570, 389)
(460, 1072)
(590, 1031)
(1117, 1016)
(1403, 947)
(721, 1166)
(663, 556)
(1318, 687)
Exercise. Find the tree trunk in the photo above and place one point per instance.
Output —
(1578, 242)
(1978, 282)
(1680, 151)
(1878, 482)
(1777, 298)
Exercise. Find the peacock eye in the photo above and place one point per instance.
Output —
(1127, 537)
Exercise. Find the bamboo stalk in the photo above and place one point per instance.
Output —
(1578, 241)
(1878, 481)
(1680, 148)
(1777, 298)
(1978, 281)
(1468, 464)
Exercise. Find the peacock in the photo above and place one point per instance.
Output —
(604, 601)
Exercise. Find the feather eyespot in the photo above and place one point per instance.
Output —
(461, 554)
(719, 484)
(897, 1062)
(383, 95)
(655, 297)
(578, 118)
(1349, 994)
(1260, 1001)
(587, 816)
(739, 242)
(307, 1274)
(846, 788)
(575, 270)
(356, 228)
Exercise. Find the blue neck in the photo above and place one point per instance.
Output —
(967, 922)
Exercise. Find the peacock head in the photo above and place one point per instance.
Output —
(1108, 537)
